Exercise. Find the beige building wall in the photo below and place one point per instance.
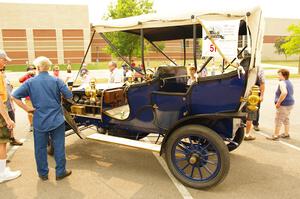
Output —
(1, 40)
(37, 18)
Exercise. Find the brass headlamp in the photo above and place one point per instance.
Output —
(91, 91)
(253, 99)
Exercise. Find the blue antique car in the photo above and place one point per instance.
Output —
(199, 123)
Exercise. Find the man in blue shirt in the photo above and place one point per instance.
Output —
(45, 93)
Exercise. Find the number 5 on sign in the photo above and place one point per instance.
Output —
(209, 49)
(212, 48)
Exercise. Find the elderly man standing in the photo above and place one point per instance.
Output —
(45, 93)
(6, 124)
(116, 76)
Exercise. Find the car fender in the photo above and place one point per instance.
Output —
(201, 119)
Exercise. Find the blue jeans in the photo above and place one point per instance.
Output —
(40, 148)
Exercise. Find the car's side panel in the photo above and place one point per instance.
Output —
(141, 117)
(169, 108)
(213, 96)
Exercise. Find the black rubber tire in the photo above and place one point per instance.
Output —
(238, 138)
(215, 139)
(127, 134)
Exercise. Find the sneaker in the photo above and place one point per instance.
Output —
(273, 137)
(9, 175)
(67, 173)
(256, 128)
(284, 136)
(14, 142)
(249, 138)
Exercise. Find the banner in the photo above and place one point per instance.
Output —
(225, 35)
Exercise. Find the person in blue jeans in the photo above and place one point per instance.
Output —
(45, 92)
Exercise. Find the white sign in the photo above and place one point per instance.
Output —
(225, 35)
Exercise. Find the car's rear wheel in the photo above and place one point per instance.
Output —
(197, 156)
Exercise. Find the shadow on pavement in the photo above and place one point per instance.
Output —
(249, 178)
(123, 171)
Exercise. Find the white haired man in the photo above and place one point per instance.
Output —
(116, 75)
(6, 124)
(45, 93)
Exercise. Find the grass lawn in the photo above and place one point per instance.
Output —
(92, 66)
(102, 65)
(15, 83)
(282, 63)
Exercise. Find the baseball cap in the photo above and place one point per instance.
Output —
(4, 55)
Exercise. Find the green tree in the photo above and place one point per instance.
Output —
(292, 44)
(278, 46)
(128, 45)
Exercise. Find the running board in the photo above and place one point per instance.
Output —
(125, 142)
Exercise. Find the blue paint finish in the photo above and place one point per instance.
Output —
(170, 108)
(139, 97)
(217, 95)
(204, 97)
(141, 117)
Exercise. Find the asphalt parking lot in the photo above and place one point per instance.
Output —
(260, 169)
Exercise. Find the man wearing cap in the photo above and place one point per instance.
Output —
(45, 92)
(5, 124)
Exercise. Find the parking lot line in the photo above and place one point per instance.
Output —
(180, 187)
(282, 142)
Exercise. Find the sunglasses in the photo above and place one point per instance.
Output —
(2, 70)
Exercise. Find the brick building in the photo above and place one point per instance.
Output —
(61, 32)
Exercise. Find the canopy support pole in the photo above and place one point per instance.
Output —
(142, 48)
(116, 50)
(164, 54)
(205, 64)
(195, 44)
(86, 52)
(235, 58)
(184, 52)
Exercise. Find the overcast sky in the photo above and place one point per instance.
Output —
(97, 8)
